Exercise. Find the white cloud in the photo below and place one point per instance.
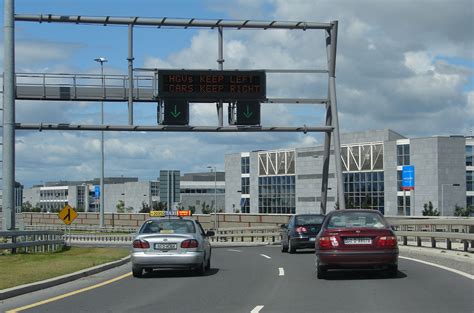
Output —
(391, 73)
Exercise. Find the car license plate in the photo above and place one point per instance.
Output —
(165, 246)
(357, 241)
(312, 239)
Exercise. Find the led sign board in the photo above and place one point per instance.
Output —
(176, 112)
(198, 85)
(248, 112)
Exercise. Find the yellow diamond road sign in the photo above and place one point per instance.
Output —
(67, 214)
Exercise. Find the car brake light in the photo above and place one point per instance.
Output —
(141, 244)
(189, 243)
(301, 229)
(387, 242)
(328, 242)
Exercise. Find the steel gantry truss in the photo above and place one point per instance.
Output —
(15, 90)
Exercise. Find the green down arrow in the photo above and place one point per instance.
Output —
(175, 113)
(248, 113)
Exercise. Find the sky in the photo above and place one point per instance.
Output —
(403, 65)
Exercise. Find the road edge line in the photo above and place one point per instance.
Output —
(467, 275)
(22, 289)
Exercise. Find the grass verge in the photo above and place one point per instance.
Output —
(19, 269)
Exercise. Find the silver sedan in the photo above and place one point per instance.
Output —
(171, 242)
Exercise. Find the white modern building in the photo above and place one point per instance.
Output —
(289, 180)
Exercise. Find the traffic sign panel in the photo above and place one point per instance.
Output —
(199, 85)
(176, 112)
(248, 112)
(67, 214)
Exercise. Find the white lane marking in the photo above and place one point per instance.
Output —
(265, 256)
(234, 250)
(281, 271)
(257, 309)
(440, 266)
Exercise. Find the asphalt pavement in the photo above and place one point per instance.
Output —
(260, 279)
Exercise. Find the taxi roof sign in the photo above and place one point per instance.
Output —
(67, 214)
(179, 213)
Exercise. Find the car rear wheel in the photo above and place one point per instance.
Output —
(137, 271)
(201, 269)
(321, 271)
(283, 247)
(291, 248)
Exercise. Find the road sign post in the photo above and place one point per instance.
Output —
(68, 215)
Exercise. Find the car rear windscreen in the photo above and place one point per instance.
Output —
(168, 227)
(309, 219)
(356, 219)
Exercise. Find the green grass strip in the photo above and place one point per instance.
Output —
(19, 269)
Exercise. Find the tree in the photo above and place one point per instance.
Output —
(192, 208)
(205, 208)
(428, 210)
(26, 207)
(158, 206)
(145, 208)
(459, 211)
(120, 206)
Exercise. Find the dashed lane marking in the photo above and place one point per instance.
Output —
(281, 271)
(257, 309)
(265, 256)
(234, 250)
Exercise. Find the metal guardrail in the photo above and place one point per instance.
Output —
(251, 234)
(32, 241)
(84, 228)
(449, 230)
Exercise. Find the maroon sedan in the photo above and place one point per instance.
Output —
(356, 239)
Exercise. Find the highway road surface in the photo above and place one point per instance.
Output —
(258, 279)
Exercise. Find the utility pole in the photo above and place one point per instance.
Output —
(102, 191)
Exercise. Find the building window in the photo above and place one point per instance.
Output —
(276, 163)
(401, 209)
(245, 188)
(469, 155)
(399, 180)
(245, 165)
(364, 190)
(245, 205)
(276, 194)
(470, 201)
(469, 180)
(403, 154)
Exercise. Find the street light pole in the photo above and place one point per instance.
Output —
(215, 196)
(442, 195)
(102, 193)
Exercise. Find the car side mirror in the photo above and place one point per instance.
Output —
(210, 233)
(392, 227)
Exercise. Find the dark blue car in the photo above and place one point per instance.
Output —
(300, 232)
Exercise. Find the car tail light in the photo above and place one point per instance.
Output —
(141, 244)
(387, 242)
(328, 242)
(301, 229)
(189, 243)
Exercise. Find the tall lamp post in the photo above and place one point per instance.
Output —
(102, 60)
(215, 195)
(442, 195)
